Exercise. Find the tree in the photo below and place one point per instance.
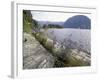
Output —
(28, 22)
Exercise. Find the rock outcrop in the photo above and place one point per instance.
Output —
(35, 55)
(79, 58)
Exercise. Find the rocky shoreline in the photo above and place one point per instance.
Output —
(41, 52)
(35, 55)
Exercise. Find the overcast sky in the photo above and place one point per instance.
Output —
(54, 16)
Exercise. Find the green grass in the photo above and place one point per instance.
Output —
(27, 28)
(44, 41)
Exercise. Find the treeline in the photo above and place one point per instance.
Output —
(52, 26)
(28, 22)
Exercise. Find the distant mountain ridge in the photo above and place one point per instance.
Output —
(78, 21)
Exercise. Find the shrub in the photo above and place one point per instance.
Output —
(44, 40)
(59, 63)
(49, 45)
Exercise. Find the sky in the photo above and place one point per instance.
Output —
(54, 16)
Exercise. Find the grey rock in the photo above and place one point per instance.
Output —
(35, 55)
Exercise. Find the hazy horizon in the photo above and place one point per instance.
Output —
(54, 16)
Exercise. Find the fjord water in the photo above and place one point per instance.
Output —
(72, 38)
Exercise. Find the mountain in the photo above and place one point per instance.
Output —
(78, 21)
(50, 22)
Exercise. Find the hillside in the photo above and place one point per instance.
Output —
(78, 21)
(28, 22)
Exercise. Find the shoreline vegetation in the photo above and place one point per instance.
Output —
(62, 55)
(65, 57)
